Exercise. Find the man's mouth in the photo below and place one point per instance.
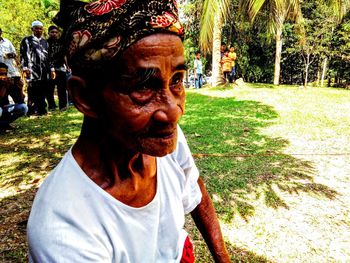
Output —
(163, 134)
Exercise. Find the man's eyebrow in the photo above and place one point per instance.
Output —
(141, 75)
(181, 67)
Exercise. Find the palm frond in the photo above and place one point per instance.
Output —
(252, 7)
(210, 9)
(277, 11)
(340, 7)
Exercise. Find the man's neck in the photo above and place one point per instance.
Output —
(128, 177)
(95, 150)
(37, 37)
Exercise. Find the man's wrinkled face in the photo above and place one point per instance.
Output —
(37, 31)
(142, 106)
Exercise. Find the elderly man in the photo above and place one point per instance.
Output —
(121, 193)
(8, 56)
(35, 65)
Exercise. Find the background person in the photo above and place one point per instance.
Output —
(232, 54)
(226, 63)
(198, 71)
(8, 112)
(15, 84)
(58, 68)
(121, 193)
(35, 65)
(223, 48)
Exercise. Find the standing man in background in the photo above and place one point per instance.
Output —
(198, 70)
(58, 65)
(8, 57)
(35, 64)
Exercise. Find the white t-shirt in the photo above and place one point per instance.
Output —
(74, 220)
(5, 48)
(198, 68)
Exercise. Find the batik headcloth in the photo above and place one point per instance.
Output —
(103, 29)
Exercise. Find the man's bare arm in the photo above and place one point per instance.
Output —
(205, 217)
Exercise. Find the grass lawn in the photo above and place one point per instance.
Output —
(276, 162)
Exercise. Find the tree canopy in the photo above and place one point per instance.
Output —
(16, 16)
(312, 37)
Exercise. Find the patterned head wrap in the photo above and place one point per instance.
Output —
(103, 29)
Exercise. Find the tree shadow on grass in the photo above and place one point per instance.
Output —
(36, 146)
(27, 154)
(240, 164)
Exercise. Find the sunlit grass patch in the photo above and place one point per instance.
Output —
(260, 150)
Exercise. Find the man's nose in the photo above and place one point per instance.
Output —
(171, 108)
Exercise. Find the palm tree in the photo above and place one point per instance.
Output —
(278, 11)
(340, 7)
(214, 15)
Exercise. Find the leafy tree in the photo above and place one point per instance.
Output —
(278, 12)
(16, 16)
(340, 62)
(318, 24)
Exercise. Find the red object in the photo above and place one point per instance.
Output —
(102, 7)
(187, 253)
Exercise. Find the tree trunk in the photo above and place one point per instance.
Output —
(324, 70)
(307, 70)
(318, 76)
(217, 77)
(276, 77)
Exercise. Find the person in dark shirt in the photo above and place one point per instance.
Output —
(35, 65)
(58, 65)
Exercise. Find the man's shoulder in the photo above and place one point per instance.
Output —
(5, 41)
(27, 38)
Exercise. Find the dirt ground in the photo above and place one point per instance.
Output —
(312, 228)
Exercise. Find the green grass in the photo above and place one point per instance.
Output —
(262, 151)
(233, 127)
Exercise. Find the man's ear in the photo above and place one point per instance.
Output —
(81, 96)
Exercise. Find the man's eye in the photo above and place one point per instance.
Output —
(177, 82)
(142, 93)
